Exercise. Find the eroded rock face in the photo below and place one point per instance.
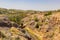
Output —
(7, 23)
(49, 26)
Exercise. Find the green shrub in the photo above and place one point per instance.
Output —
(37, 25)
(47, 14)
(36, 19)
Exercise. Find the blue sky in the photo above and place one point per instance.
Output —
(30, 4)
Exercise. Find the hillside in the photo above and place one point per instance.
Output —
(29, 24)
